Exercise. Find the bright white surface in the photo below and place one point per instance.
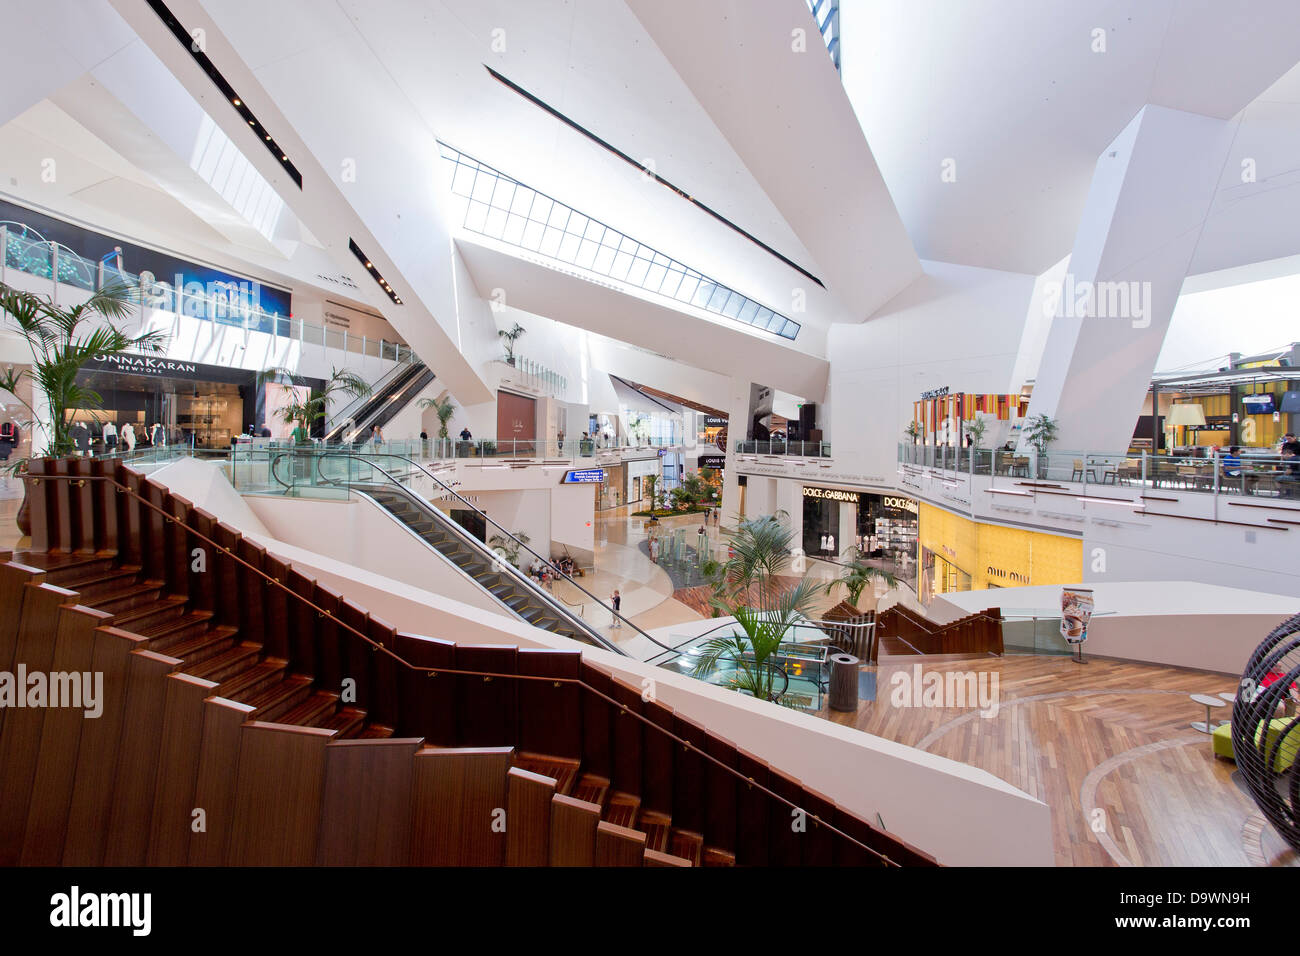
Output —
(1130, 598)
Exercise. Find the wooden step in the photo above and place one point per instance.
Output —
(563, 770)
(622, 810)
(62, 566)
(96, 584)
(715, 857)
(200, 647)
(129, 598)
(145, 616)
(375, 732)
(225, 665)
(656, 827)
(686, 844)
(348, 721)
(274, 700)
(592, 789)
(172, 631)
(253, 679)
(318, 706)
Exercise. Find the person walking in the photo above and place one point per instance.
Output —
(616, 601)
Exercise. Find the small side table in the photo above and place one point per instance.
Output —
(1206, 701)
(1229, 697)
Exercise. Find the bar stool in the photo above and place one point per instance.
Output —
(1206, 701)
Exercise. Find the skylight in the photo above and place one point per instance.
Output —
(505, 209)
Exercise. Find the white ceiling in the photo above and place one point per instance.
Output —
(590, 59)
(1013, 93)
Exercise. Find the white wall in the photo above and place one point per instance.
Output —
(956, 326)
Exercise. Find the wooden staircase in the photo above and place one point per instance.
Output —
(250, 716)
(902, 632)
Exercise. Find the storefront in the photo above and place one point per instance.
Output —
(829, 521)
(205, 406)
(957, 554)
(887, 531)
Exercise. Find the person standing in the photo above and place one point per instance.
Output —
(9, 435)
(654, 549)
(81, 438)
(158, 437)
(616, 601)
(110, 438)
(128, 437)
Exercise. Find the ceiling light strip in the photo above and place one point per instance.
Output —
(541, 104)
(186, 39)
(374, 273)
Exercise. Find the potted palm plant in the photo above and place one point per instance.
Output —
(857, 574)
(444, 408)
(1040, 431)
(62, 341)
(511, 336)
(749, 587)
(304, 412)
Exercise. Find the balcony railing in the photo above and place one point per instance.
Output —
(796, 449)
(1258, 475)
(27, 252)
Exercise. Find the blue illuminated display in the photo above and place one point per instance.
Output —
(585, 476)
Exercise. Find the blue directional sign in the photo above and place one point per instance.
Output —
(584, 476)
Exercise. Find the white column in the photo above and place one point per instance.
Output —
(846, 536)
(1149, 199)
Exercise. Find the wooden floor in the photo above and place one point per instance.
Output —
(1102, 736)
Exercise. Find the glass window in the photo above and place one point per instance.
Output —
(523, 201)
(514, 230)
(586, 254)
(637, 273)
(532, 235)
(560, 214)
(732, 307)
(604, 258)
(568, 247)
(475, 215)
(748, 311)
(622, 262)
(503, 194)
(541, 208)
(496, 223)
(654, 278)
(595, 230)
(551, 242)
(483, 186)
(577, 223)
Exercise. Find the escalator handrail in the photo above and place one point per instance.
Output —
(575, 621)
(398, 374)
(545, 561)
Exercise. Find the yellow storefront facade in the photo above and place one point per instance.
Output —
(957, 554)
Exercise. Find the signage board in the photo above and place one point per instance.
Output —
(830, 494)
(1076, 612)
(934, 393)
(583, 476)
(716, 462)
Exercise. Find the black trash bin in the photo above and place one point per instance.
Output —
(844, 682)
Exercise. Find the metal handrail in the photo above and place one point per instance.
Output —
(379, 648)
(511, 536)
(473, 542)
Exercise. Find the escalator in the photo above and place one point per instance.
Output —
(390, 395)
(506, 584)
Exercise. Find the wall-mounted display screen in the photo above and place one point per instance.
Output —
(1258, 404)
(584, 476)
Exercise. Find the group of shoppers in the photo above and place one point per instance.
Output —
(127, 437)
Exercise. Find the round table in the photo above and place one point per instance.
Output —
(1206, 701)
(1229, 697)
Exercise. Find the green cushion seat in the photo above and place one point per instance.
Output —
(1221, 740)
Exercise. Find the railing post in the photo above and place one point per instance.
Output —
(54, 273)
(4, 252)
(1144, 468)
(1215, 465)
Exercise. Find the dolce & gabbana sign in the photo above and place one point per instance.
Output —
(830, 494)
